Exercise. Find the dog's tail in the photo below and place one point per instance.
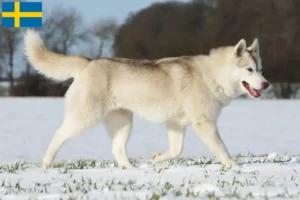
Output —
(52, 65)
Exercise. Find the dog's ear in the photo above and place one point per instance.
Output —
(240, 48)
(254, 48)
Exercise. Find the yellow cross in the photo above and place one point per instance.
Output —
(17, 14)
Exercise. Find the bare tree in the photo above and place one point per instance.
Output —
(104, 31)
(62, 29)
(2, 53)
(10, 41)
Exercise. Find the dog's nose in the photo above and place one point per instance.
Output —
(265, 85)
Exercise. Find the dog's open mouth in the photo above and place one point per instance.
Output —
(253, 92)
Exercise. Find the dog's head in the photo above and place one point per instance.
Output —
(246, 69)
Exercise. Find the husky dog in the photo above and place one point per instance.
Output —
(178, 91)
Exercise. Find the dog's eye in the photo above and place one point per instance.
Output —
(250, 69)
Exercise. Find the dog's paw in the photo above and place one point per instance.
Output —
(231, 163)
(157, 157)
(125, 166)
(45, 166)
(46, 163)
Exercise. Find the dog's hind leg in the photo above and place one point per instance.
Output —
(176, 137)
(71, 127)
(82, 112)
(119, 124)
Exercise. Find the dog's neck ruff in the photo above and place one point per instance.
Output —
(220, 94)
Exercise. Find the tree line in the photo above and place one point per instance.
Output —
(170, 29)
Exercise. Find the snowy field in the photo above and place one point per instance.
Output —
(263, 136)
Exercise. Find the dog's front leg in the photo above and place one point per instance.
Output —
(209, 134)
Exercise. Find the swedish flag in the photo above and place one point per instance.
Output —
(22, 14)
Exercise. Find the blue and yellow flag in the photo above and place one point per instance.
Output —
(22, 14)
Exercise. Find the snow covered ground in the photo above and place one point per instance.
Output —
(262, 135)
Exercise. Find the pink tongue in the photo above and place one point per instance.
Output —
(254, 92)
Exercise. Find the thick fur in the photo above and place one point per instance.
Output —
(176, 91)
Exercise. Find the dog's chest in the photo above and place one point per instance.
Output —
(160, 113)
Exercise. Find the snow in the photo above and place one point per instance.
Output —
(263, 135)
(272, 156)
(295, 160)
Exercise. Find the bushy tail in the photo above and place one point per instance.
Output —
(52, 65)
